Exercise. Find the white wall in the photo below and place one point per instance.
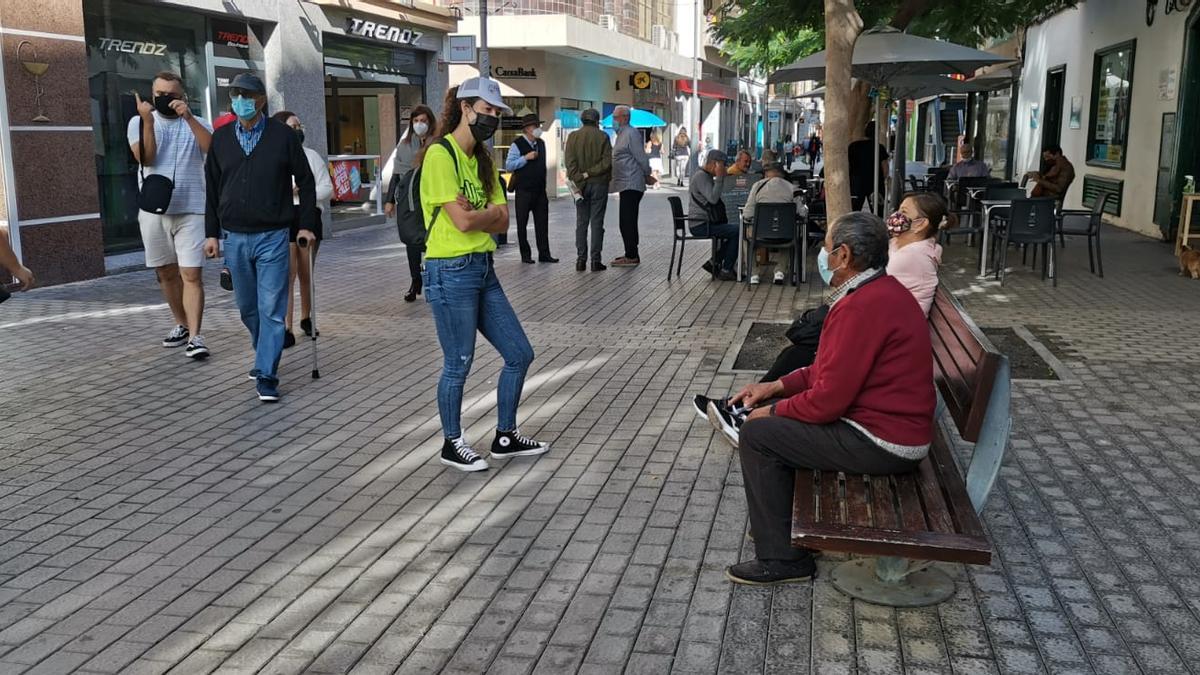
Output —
(1072, 38)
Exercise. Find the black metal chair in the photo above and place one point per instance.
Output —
(1031, 222)
(966, 207)
(775, 228)
(1084, 223)
(681, 234)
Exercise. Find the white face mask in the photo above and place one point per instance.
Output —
(421, 128)
(537, 133)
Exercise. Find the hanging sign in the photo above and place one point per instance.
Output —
(381, 31)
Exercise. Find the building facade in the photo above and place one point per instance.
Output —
(351, 69)
(1119, 94)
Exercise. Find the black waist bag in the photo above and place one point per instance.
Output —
(155, 195)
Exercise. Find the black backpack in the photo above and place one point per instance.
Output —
(409, 216)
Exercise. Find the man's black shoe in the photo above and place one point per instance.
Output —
(726, 275)
(289, 339)
(528, 261)
(547, 259)
(598, 266)
(769, 572)
(580, 265)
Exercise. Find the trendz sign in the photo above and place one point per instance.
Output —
(132, 46)
(382, 31)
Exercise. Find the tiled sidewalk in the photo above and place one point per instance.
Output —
(154, 517)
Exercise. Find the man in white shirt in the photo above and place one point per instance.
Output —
(169, 142)
(772, 189)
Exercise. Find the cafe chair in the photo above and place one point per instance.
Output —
(1031, 222)
(775, 228)
(1085, 223)
(681, 235)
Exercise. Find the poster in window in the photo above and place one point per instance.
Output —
(1076, 112)
(1111, 91)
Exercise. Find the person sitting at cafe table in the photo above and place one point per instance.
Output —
(741, 164)
(772, 189)
(968, 166)
(1058, 176)
(706, 207)
(866, 405)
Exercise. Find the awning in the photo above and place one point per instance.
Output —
(708, 89)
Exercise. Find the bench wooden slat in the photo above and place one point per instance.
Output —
(941, 461)
(804, 501)
(831, 502)
(918, 545)
(883, 503)
(911, 510)
(857, 508)
(937, 514)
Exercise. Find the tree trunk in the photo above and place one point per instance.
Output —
(842, 26)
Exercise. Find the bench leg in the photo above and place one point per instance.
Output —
(893, 582)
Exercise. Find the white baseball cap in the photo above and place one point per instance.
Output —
(485, 88)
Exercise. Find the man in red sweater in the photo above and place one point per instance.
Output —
(865, 405)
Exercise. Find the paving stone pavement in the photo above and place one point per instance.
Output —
(155, 518)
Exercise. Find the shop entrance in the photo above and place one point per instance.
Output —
(1187, 147)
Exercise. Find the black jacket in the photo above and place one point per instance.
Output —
(254, 193)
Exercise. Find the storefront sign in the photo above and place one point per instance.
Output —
(462, 49)
(347, 180)
(132, 46)
(515, 73)
(231, 38)
(381, 31)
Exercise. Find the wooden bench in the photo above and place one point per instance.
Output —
(932, 514)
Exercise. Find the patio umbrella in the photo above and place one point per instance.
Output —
(884, 55)
(638, 118)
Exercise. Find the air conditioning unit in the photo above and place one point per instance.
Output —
(609, 22)
(674, 44)
(660, 36)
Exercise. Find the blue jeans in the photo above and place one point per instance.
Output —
(465, 297)
(727, 242)
(259, 265)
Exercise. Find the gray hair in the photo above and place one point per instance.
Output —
(866, 237)
(622, 110)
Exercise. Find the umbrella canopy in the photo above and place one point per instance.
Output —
(924, 86)
(637, 118)
(884, 54)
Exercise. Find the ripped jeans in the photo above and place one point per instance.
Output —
(465, 297)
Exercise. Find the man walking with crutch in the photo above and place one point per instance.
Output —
(250, 170)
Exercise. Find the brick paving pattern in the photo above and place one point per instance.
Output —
(155, 518)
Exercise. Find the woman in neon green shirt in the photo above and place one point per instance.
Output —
(464, 205)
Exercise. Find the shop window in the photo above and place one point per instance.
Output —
(1112, 88)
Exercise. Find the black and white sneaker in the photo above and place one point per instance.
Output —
(458, 454)
(196, 349)
(728, 421)
(700, 404)
(513, 444)
(178, 337)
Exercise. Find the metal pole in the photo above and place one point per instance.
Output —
(696, 76)
(485, 63)
(900, 154)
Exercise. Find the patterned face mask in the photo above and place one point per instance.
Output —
(898, 224)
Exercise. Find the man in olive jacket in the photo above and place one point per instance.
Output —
(589, 166)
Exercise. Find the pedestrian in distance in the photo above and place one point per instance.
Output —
(588, 158)
(169, 144)
(680, 152)
(399, 201)
(302, 260)
(630, 176)
(10, 264)
(464, 204)
(654, 150)
(527, 163)
(250, 171)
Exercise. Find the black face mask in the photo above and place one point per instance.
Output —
(163, 105)
(484, 127)
(300, 135)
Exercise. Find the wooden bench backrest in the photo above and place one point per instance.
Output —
(973, 382)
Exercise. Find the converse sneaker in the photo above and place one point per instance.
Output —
(728, 421)
(513, 444)
(268, 391)
(196, 349)
(178, 337)
(458, 454)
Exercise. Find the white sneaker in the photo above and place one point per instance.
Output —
(178, 337)
(753, 279)
(195, 348)
(779, 277)
(458, 454)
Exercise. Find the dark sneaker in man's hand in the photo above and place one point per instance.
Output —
(226, 279)
(700, 404)
(727, 421)
(178, 337)
(458, 454)
(513, 444)
(769, 572)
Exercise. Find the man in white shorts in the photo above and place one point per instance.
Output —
(168, 140)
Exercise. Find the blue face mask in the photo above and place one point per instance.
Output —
(243, 107)
(823, 267)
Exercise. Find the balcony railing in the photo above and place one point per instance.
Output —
(649, 20)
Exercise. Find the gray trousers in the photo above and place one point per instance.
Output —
(773, 448)
(590, 209)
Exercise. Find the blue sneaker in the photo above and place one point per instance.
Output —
(268, 392)
(252, 375)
